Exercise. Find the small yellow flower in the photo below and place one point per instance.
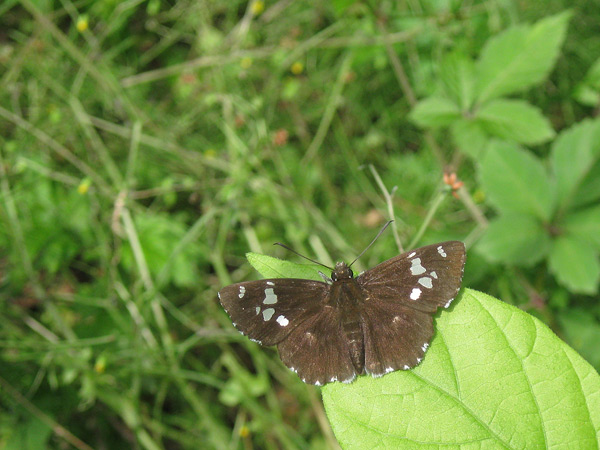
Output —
(244, 431)
(82, 23)
(246, 62)
(257, 7)
(297, 68)
(84, 186)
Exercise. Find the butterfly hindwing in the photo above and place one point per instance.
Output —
(268, 310)
(395, 336)
(317, 349)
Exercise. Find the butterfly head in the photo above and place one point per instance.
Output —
(341, 272)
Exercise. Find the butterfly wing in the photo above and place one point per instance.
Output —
(317, 350)
(395, 337)
(402, 294)
(268, 310)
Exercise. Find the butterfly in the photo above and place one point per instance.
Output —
(375, 323)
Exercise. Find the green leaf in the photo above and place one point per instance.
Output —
(574, 154)
(270, 267)
(582, 330)
(516, 120)
(584, 225)
(520, 57)
(516, 181)
(435, 112)
(575, 265)
(457, 77)
(586, 95)
(589, 191)
(469, 137)
(588, 91)
(494, 378)
(514, 239)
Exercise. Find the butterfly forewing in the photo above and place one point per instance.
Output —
(423, 279)
(268, 310)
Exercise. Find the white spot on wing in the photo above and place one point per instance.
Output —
(318, 383)
(441, 251)
(333, 379)
(406, 367)
(257, 310)
(283, 321)
(270, 283)
(219, 295)
(416, 268)
(426, 282)
(415, 294)
(270, 297)
(425, 346)
(242, 292)
(349, 380)
(419, 360)
(268, 313)
(412, 254)
(433, 274)
(389, 369)
(448, 304)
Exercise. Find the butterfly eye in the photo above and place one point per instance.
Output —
(351, 273)
(334, 276)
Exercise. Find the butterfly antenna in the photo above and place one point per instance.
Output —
(372, 242)
(302, 256)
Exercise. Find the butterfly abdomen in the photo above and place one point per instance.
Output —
(350, 307)
(356, 345)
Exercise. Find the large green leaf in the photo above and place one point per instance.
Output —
(494, 378)
(520, 57)
(575, 264)
(435, 112)
(516, 120)
(514, 239)
(516, 181)
(574, 154)
(270, 267)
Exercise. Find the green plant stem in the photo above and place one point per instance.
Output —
(437, 201)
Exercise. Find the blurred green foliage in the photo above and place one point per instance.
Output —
(146, 147)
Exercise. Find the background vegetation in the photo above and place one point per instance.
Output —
(146, 146)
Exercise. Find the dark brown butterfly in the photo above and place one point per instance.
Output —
(376, 323)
